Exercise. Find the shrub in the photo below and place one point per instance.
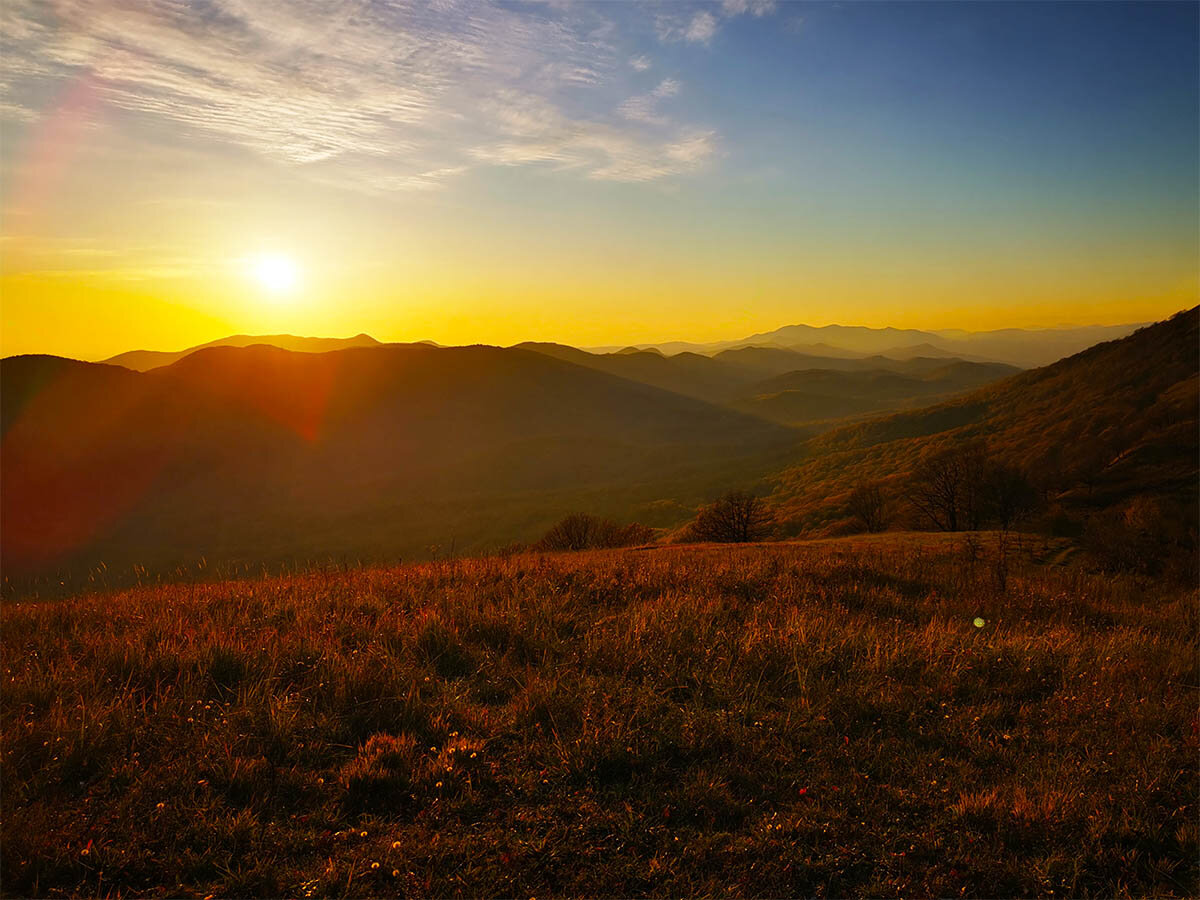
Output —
(579, 531)
(1146, 536)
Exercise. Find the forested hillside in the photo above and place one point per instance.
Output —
(1116, 421)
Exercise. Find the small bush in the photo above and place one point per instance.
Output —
(580, 531)
(1146, 536)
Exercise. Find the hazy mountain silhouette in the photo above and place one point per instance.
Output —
(262, 453)
(928, 350)
(1021, 347)
(145, 360)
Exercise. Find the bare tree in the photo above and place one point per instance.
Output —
(737, 517)
(947, 487)
(868, 505)
(1008, 494)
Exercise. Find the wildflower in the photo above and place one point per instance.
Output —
(162, 806)
(374, 865)
(395, 873)
(362, 834)
(438, 785)
(396, 845)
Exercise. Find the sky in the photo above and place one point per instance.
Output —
(591, 173)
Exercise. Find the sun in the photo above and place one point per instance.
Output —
(275, 272)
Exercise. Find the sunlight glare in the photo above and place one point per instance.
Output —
(275, 272)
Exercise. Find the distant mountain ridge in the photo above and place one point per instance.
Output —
(1016, 346)
(145, 360)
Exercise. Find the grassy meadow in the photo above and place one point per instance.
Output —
(899, 715)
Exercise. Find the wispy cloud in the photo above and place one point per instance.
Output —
(695, 28)
(700, 26)
(644, 107)
(757, 8)
(388, 96)
(540, 134)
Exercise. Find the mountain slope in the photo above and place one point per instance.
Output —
(1120, 416)
(265, 454)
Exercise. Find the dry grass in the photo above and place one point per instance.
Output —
(792, 719)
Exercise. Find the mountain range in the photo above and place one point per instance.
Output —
(251, 452)
(1016, 346)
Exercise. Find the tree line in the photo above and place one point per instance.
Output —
(960, 488)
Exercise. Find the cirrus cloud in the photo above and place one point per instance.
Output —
(393, 95)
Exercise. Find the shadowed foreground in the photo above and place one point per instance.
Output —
(790, 719)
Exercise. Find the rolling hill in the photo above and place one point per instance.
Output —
(736, 377)
(1116, 421)
(690, 374)
(814, 394)
(263, 454)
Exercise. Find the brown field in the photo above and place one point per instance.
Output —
(773, 720)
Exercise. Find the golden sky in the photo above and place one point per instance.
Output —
(588, 173)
